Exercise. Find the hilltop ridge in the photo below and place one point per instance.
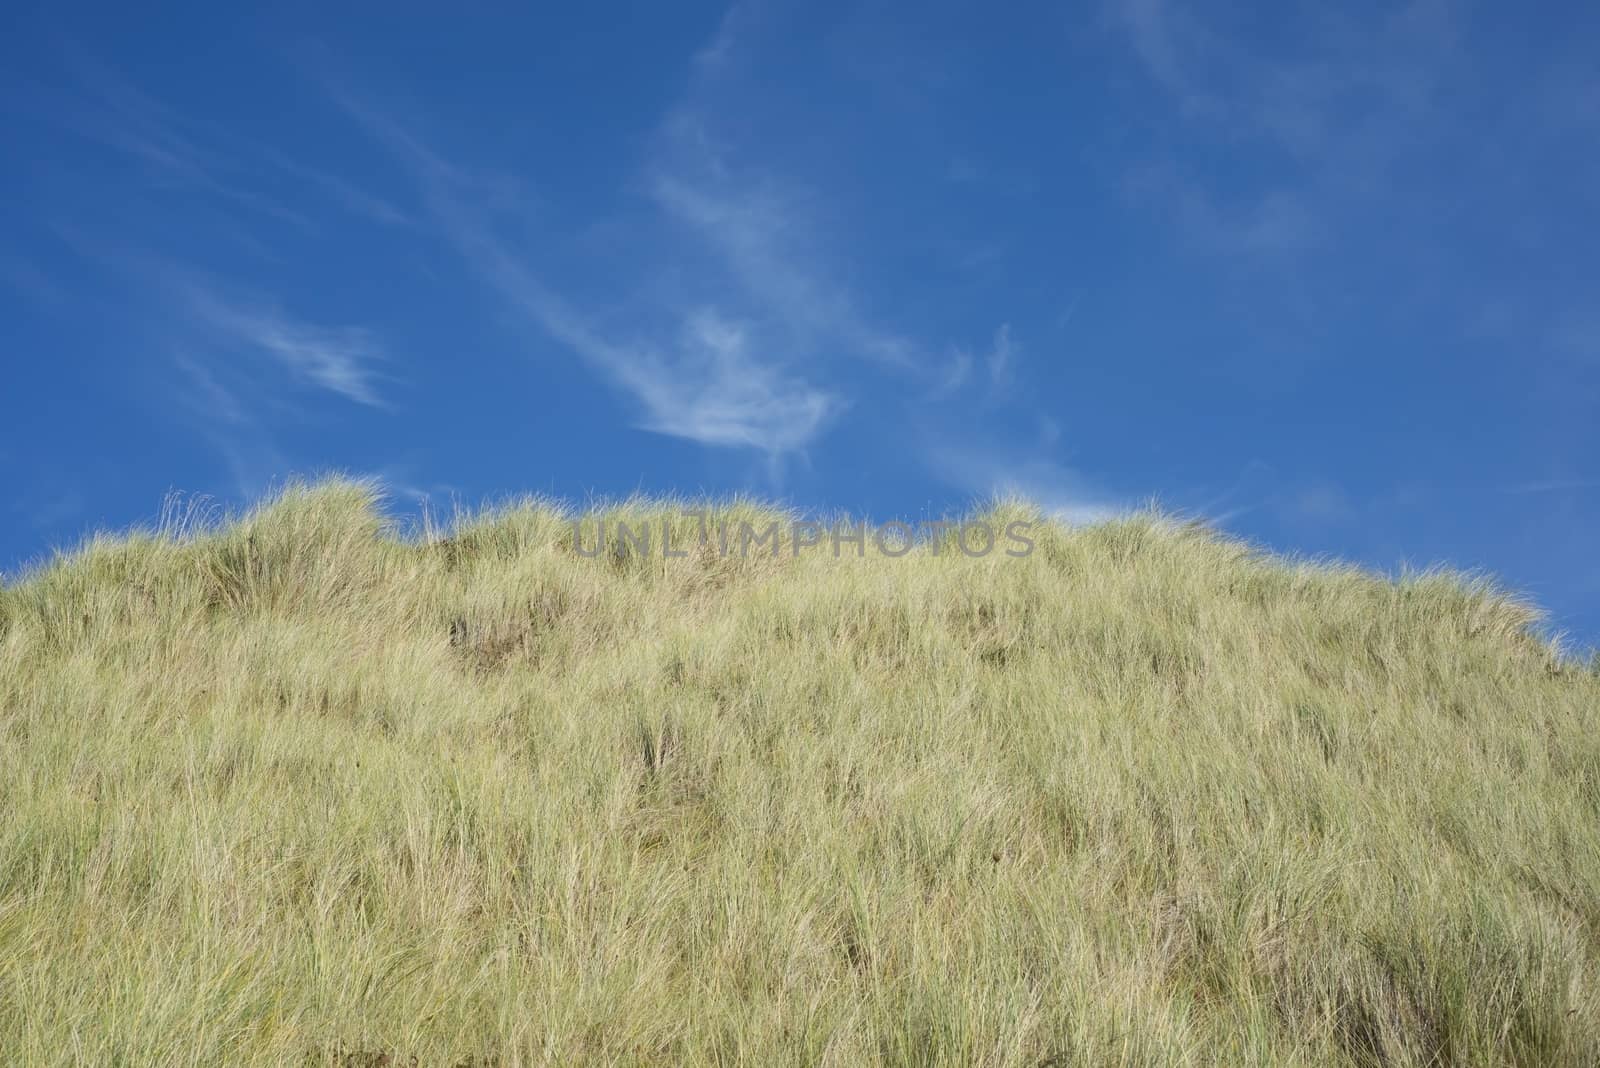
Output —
(292, 788)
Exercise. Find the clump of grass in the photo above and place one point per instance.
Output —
(291, 788)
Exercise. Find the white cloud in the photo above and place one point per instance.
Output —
(957, 371)
(172, 150)
(720, 49)
(178, 151)
(990, 471)
(745, 336)
(216, 400)
(754, 222)
(240, 443)
(338, 359)
(1554, 485)
(1357, 97)
(1321, 503)
(999, 361)
(706, 384)
(1352, 88)
(1153, 30)
(729, 398)
(1000, 358)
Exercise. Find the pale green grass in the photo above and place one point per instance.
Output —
(297, 790)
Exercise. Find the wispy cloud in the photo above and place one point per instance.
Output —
(1001, 358)
(705, 385)
(1268, 226)
(210, 396)
(437, 501)
(1163, 39)
(999, 368)
(352, 197)
(754, 222)
(178, 151)
(1554, 485)
(203, 311)
(238, 439)
(1322, 503)
(120, 116)
(718, 50)
(763, 225)
(1343, 99)
(734, 322)
(228, 404)
(730, 398)
(709, 382)
(957, 372)
(1014, 469)
(1335, 117)
(338, 359)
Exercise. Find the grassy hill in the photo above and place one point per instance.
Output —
(293, 789)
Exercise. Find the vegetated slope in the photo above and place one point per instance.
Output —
(297, 790)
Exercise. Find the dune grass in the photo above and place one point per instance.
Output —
(293, 789)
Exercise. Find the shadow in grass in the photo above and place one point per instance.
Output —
(346, 1057)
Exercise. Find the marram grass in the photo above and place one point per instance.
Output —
(294, 789)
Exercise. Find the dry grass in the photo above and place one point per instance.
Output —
(296, 790)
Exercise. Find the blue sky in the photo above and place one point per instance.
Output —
(1325, 274)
